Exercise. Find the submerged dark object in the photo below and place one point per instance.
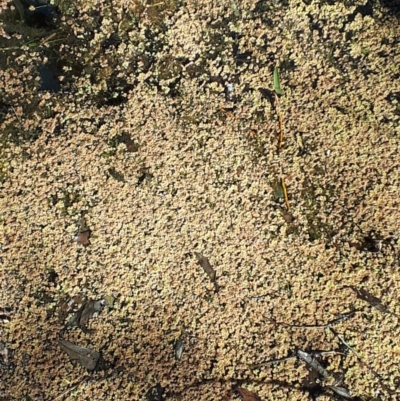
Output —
(37, 13)
(49, 79)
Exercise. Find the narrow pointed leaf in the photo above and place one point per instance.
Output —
(205, 264)
(85, 357)
(342, 391)
(366, 296)
(277, 82)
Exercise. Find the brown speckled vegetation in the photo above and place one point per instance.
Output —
(163, 237)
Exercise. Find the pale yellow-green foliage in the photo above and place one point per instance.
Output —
(142, 142)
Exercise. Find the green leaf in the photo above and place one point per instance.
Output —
(277, 83)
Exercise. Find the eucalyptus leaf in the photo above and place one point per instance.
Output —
(85, 357)
(342, 391)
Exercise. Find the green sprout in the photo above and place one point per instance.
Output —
(277, 83)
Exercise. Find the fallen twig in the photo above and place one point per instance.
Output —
(285, 194)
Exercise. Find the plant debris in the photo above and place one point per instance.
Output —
(247, 395)
(4, 354)
(87, 358)
(277, 82)
(84, 233)
(211, 273)
(178, 348)
(131, 145)
(313, 363)
(285, 194)
(366, 296)
(155, 393)
(185, 101)
(89, 310)
(116, 174)
(83, 238)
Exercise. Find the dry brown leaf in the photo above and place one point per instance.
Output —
(83, 238)
(364, 295)
(248, 395)
(88, 310)
(131, 145)
(85, 357)
(205, 264)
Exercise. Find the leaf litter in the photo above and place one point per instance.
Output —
(77, 311)
(86, 357)
(206, 265)
(247, 395)
(82, 238)
(179, 348)
(88, 310)
(316, 366)
(366, 296)
(155, 393)
(84, 232)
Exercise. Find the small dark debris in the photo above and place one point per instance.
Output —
(178, 348)
(131, 145)
(155, 393)
(247, 395)
(145, 175)
(5, 315)
(84, 232)
(310, 383)
(341, 390)
(82, 238)
(116, 174)
(287, 216)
